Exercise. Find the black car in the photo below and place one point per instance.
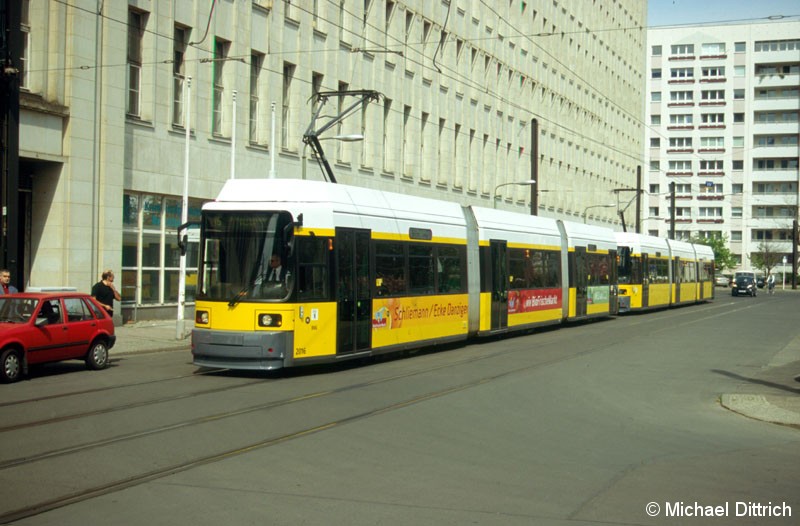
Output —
(744, 285)
(760, 282)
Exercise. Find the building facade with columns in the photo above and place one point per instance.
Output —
(108, 87)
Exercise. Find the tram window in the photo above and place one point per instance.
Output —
(449, 265)
(599, 269)
(533, 269)
(420, 269)
(389, 269)
(313, 282)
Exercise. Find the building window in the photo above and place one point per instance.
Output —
(683, 49)
(713, 73)
(737, 188)
(681, 143)
(655, 120)
(711, 166)
(654, 189)
(736, 235)
(681, 73)
(713, 95)
(655, 166)
(710, 212)
(178, 74)
(713, 118)
(736, 211)
(681, 96)
(656, 51)
(150, 253)
(25, 52)
(738, 94)
(738, 142)
(256, 61)
(680, 119)
(739, 71)
(286, 101)
(653, 211)
(737, 166)
(221, 48)
(655, 96)
(739, 47)
(655, 142)
(712, 142)
(136, 25)
(717, 48)
(680, 166)
(655, 73)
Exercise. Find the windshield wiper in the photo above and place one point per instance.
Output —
(239, 295)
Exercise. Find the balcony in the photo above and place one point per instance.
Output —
(679, 104)
(776, 175)
(770, 80)
(680, 127)
(776, 128)
(714, 173)
(776, 104)
(775, 152)
(711, 80)
(712, 57)
(713, 103)
(711, 127)
(681, 81)
(679, 174)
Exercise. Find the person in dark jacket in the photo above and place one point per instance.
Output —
(105, 293)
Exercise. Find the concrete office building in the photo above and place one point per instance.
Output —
(722, 110)
(104, 105)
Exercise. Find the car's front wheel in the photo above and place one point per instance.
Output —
(11, 366)
(97, 357)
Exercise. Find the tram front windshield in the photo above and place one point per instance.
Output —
(244, 256)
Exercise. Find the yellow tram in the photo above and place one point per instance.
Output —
(657, 273)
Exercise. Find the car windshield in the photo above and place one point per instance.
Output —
(17, 310)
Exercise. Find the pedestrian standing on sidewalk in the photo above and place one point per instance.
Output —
(5, 282)
(105, 293)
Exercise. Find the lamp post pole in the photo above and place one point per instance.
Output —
(586, 210)
(521, 183)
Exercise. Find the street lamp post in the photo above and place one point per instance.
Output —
(521, 183)
(586, 210)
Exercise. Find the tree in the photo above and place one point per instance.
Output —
(723, 258)
(766, 258)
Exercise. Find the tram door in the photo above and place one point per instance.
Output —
(499, 265)
(354, 297)
(645, 280)
(581, 281)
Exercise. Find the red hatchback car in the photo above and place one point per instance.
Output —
(50, 327)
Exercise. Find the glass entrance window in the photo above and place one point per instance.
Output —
(150, 254)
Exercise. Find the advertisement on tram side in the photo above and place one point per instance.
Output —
(403, 320)
(532, 300)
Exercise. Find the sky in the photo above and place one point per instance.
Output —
(680, 12)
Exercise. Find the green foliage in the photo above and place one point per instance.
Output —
(723, 258)
(766, 258)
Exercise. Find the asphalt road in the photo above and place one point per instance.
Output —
(611, 422)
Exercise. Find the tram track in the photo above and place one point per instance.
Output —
(122, 483)
(105, 389)
(156, 474)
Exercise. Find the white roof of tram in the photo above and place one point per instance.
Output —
(328, 205)
(643, 244)
(515, 227)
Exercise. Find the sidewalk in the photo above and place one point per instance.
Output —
(150, 336)
(772, 395)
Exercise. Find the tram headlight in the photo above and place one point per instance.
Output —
(269, 320)
(201, 317)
